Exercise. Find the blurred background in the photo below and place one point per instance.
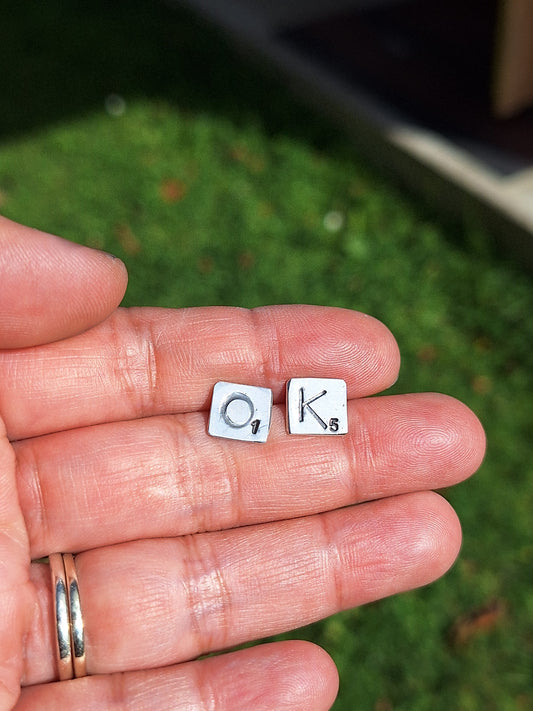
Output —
(138, 128)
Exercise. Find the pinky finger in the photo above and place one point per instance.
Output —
(288, 676)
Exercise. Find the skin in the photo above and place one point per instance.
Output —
(189, 544)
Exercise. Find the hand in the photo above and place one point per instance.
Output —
(187, 543)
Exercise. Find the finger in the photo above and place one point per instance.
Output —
(147, 362)
(163, 476)
(152, 603)
(294, 676)
(52, 288)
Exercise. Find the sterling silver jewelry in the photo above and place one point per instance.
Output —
(317, 406)
(65, 668)
(77, 631)
(240, 412)
(70, 635)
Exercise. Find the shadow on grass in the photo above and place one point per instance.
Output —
(61, 60)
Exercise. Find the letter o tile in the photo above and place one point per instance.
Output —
(240, 412)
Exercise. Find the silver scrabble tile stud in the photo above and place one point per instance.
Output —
(317, 406)
(240, 412)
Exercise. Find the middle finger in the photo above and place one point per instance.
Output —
(163, 476)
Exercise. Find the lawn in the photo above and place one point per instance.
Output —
(137, 129)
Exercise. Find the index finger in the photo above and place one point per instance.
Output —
(144, 362)
(52, 288)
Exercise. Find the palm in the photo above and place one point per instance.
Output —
(17, 596)
(191, 544)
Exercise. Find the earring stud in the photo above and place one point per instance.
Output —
(317, 406)
(240, 412)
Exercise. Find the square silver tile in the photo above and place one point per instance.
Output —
(317, 406)
(240, 412)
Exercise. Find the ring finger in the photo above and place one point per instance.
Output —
(150, 604)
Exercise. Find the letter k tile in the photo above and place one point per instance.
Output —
(317, 406)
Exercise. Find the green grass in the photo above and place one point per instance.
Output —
(214, 186)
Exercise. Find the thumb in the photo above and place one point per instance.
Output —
(52, 289)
